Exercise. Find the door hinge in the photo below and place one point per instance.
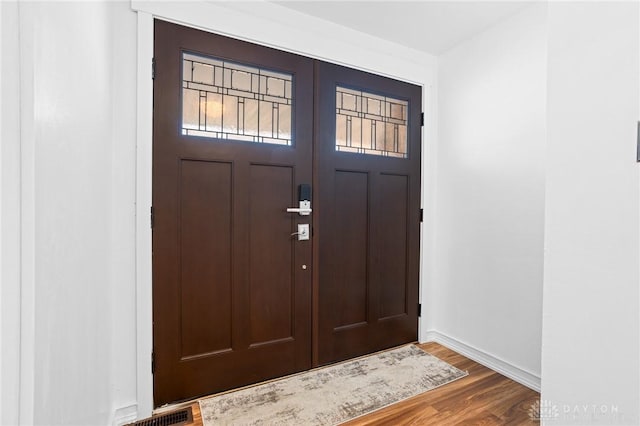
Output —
(151, 217)
(153, 362)
(421, 215)
(153, 68)
(419, 309)
(422, 119)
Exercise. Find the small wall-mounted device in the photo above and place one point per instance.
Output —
(638, 144)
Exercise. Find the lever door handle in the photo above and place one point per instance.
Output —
(303, 210)
(303, 232)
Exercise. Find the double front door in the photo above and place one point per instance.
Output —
(242, 291)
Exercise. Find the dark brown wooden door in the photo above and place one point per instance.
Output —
(369, 211)
(231, 300)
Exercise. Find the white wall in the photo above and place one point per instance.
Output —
(590, 351)
(75, 152)
(9, 214)
(490, 199)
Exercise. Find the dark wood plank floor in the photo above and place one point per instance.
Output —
(484, 397)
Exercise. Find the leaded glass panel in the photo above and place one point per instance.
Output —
(367, 123)
(227, 100)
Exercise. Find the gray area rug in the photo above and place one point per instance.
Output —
(333, 394)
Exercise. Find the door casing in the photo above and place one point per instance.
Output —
(271, 27)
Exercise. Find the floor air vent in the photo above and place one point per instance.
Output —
(174, 418)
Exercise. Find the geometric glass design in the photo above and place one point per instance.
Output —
(367, 123)
(227, 100)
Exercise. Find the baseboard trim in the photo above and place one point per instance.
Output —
(125, 415)
(517, 374)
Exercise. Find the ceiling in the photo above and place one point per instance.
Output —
(429, 26)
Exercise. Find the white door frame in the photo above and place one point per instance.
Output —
(274, 26)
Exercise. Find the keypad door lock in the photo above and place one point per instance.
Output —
(304, 201)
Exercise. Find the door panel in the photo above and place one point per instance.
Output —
(393, 259)
(232, 304)
(270, 255)
(205, 255)
(369, 204)
(350, 259)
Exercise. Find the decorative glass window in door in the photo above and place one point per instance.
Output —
(227, 100)
(367, 123)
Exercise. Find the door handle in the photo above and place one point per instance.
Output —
(303, 232)
(303, 210)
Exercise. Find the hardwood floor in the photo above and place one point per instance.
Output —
(484, 397)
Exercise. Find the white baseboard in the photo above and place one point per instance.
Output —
(517, 374)
(125, 415)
